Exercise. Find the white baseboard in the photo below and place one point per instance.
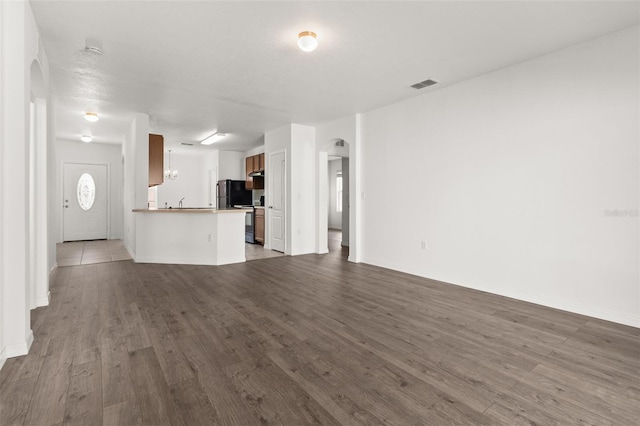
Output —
(17, 349)
(191, 260)
(43, 301)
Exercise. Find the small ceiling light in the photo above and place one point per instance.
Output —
(307, 41)
(91, 116)
(213, 138)
(86, 138)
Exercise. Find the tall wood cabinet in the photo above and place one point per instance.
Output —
(156, 160)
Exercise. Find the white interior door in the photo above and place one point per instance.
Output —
(85, 202)
(277, 164)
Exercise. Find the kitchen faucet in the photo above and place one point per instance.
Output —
(180, 202)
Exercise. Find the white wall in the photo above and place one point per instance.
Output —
(231, 165)
(335, 218)
(93, 153)
(298, 142)
(192, 183)
(302, 189)
(135, 154)
(515, 172)
(20, 261)
(345, 201)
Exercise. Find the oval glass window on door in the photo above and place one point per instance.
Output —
(86, 191)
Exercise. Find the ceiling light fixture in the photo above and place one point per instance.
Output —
(307, 41)
(91, 116)
(86, 138)
(170, 173)
(213, 138)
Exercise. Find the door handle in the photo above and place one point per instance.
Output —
(270, 207)
(66, 207)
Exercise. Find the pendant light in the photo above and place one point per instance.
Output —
(169, 173)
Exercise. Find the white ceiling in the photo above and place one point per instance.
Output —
(195, 67)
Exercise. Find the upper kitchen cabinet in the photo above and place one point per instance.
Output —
(261, 162)
(249, 170)
(156, 160)
(254, 164)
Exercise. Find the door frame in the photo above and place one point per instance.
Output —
(268, 195)
(61, 195)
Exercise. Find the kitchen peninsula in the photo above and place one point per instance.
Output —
(190, 236)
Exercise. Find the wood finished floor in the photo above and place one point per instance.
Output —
(310, 340)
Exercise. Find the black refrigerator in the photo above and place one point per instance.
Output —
(233, 193)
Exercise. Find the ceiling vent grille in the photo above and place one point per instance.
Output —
(186, 144)
(424, 84)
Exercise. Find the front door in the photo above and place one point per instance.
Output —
(277, 164)
(85, 202)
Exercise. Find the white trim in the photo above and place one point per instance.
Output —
(43, 301)
(191, 260)
(18, 349)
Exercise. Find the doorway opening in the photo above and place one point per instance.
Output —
(335, 207)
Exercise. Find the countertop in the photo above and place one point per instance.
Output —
(193, 210)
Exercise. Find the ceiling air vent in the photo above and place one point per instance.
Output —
(424, 84)
(185, 143)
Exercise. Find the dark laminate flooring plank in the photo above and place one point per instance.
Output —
(15, 398)
(590, 395)
(152, 392)
(50, 394)
(274, 397)
(229, 405)
(552, 405)
(125, 413)
(117, 385)
(84, 400)
(192, 403)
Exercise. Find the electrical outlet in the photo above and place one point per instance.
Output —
(209, 237)
(423, 245)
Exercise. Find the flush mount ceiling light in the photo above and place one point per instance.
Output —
(91, 116)
(213, 138)
(307, 41)
(86, 138)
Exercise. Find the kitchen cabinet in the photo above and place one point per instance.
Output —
(249, 169)
(259, 226)
(254, 164)
(261, 162)
(156, 160)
